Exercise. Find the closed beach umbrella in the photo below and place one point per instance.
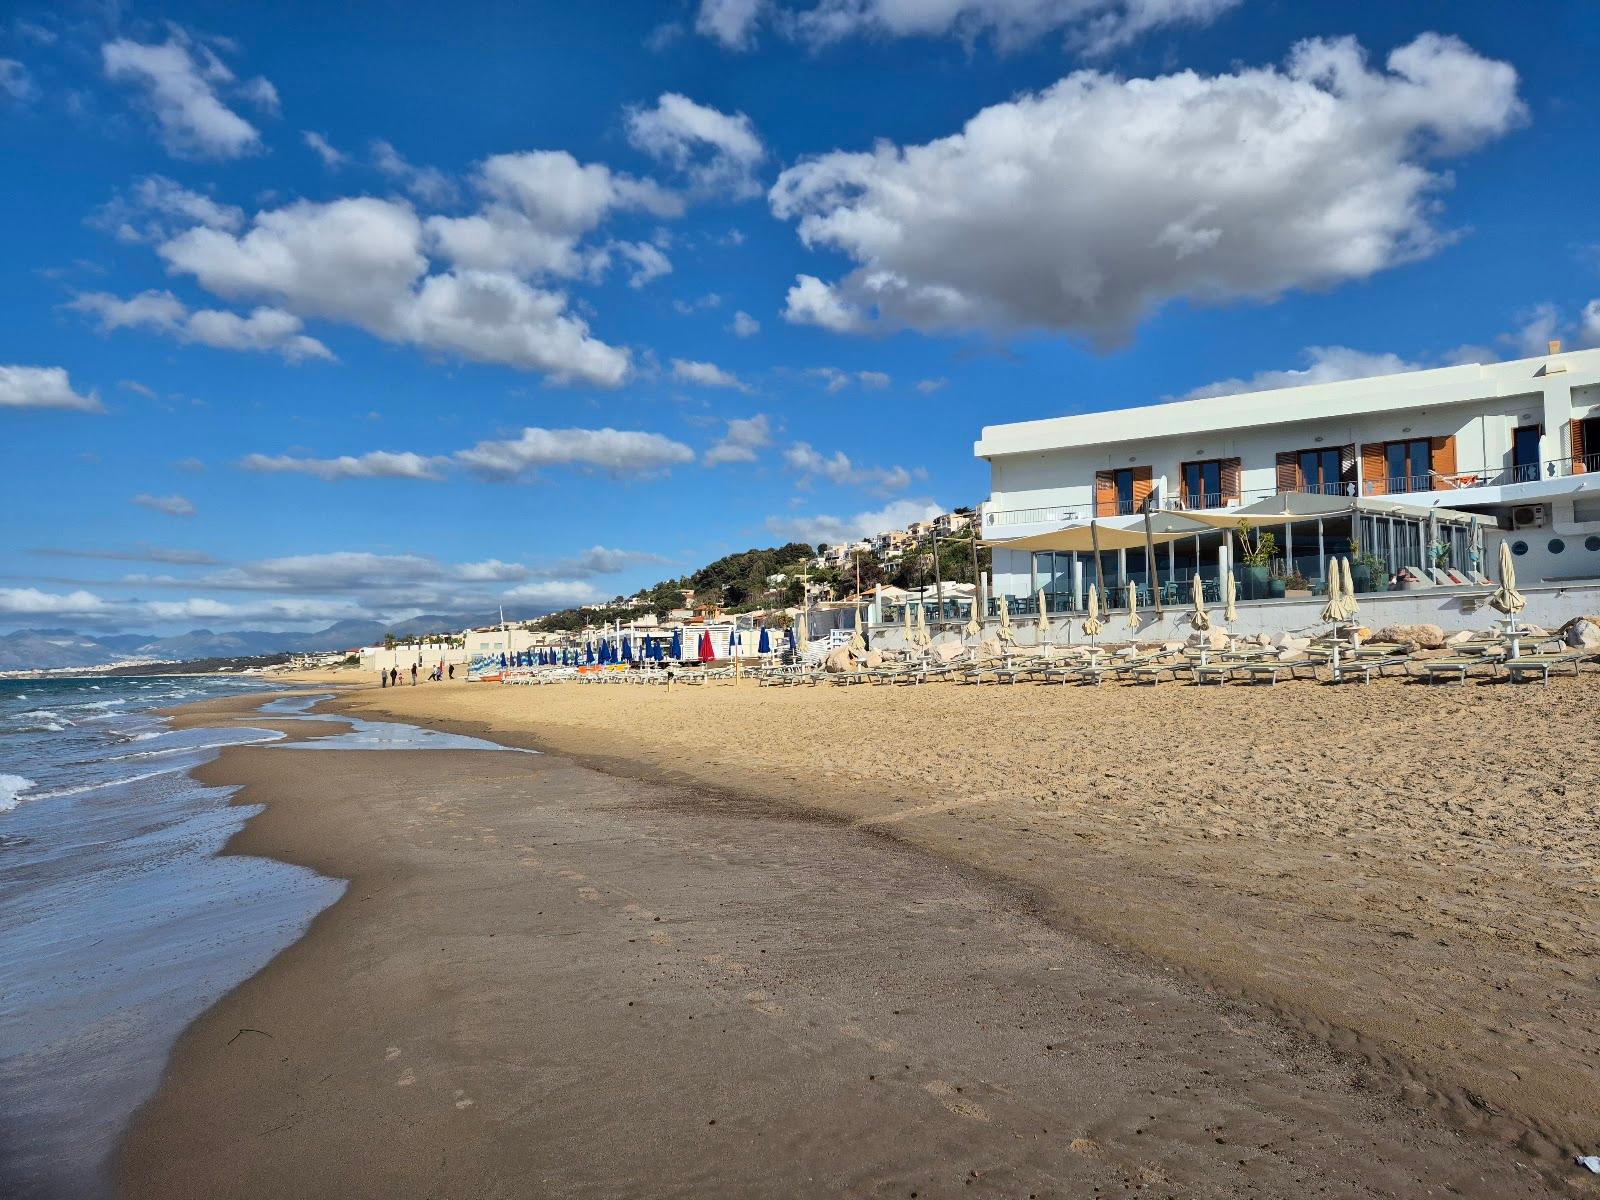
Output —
(857, 642)
(975, 624)
(1044, 618)
(764, 645)
(1091, 623)
(677, 644)
(1506, 598)
(1230, 613)
(1347, 601)
(1333, 610)
(923, 639)
(1199, 619)
(802, 635)
(1005, 632)
(911, 629)
(788, 635)
(1133, 606)
(706, 651)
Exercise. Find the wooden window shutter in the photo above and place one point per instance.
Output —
(1230, 481)
(1442, 458)
(1288, 471)
(1105, 495)
(1374, 474)
(1347, 463)
(1143, 482)
(1578, 451)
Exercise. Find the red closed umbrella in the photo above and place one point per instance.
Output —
(706, 653)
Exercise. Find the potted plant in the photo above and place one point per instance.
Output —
(1296, 585)
(1277, 580)
(1256, 549)
(1360, 568)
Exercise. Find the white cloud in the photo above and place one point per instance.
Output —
(1324, 364)
(156, 207)
(705, 374)
(1100, 199)
(873, 379)
(562, 195)
(15, 82)
(838, 380)
(718, 151)
(556, 593)
(838, 469)
(43, 387)
(361, 260)
(617, 451)
(648, 262)
(841, 530)
(179, 81)
(929, 386)
(264, 328)
(744, 437)
(375, 464)
(731, 22)
(260, 92)
(812, 302)
(173, 506)
(427, 184)
(1589, 331)
(744, 325)
(141, 552)
(332, 157)
(32, 602)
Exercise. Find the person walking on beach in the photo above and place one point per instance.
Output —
(413, 674)
(452, 670)
(394, 676)
(383, 679)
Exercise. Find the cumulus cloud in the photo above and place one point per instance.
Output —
(179, 82)
(615, 451)
(375, 464)
(1085, 206)
(332, 157)
(1324, 364)
(31, 602)
(838, 380)
(837, 468)
(718, 152)
(43, 387)
(173, 506)
(648, 262)
(262, 329)
(929, 386)
(362, 260)
(427, 184)
(835, 531)
(16, 83)
(745, 436)
(156, 207)
(556, 593)
(744, 325)
(731, 22)
(704, 374)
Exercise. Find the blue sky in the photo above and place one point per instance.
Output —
(310, 315)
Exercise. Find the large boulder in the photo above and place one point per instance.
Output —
(872, 660)
(838, 661)
(948, 651)
(1211, 639)
(1289, 641)
(1426, 637)
(1582, 633)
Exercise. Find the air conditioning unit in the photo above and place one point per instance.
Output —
(1529, 516)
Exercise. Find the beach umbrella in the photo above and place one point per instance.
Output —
(1506, 598)
(627, 649)
(1133, 607)
(923, 639)
(1347, 601)
(788, 635)
(706, 651)
(1199, 619)
(1333, 610)
(802, 636)
(764, 643)
(911, 629)
(1230, 593)
(975, 622)
(677, 645)
(1005, 633)
(588, 652)
(502, 661)
(1091, 623)
(1044, 619)
(858, 643)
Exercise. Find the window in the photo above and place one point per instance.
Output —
(1591, 543)
(1555, 546)
(1319, 472)
(1525, 454)
(1202, 484)
(1120, 490)
(1519, 548)
(1409, 465)
(1122, 482)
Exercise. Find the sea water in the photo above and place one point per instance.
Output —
(118, 922)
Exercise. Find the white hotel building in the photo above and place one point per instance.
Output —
(1424, 468)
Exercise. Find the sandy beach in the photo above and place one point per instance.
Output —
(1405, 873)
(548, 979)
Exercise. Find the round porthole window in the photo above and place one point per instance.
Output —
(1591, 542)
(1519, 548)
(1555, 546)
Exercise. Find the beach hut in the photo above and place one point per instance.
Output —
(707, 652)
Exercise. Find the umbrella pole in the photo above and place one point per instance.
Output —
(1150, 563)
(1099, 572)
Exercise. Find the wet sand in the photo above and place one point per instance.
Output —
(546, 980)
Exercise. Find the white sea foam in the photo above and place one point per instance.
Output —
(11, 789)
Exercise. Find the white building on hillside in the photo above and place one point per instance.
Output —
(1420, 469)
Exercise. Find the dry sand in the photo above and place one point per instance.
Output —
(1406, 873)
(545, 980)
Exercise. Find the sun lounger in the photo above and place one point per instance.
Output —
(1254, 672)
(1541, 664)
(1434, 669)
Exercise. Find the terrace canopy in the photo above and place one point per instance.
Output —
(1113, 533)
(1309, 506)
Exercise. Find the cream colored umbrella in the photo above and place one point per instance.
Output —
(911, 625)
(1506, 598)
(1005, 633)
(923, 640)
(1198, 618)
(1230, 612)
(1091, 623)
(975, 623)
(1133, 607)
(1333, 610)
(1044, 621)
(1348, 600)
(858, 644)
(802, 642)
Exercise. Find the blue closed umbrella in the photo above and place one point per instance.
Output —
(789, 633)
(677, 644)
(588, 652)
(502, 660)
(627, 649)
(765, 644)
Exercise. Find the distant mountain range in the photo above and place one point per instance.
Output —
(56, 649)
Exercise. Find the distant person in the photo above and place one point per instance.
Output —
(452, 670)
(413, 674)
(394, 676)
(383, 679)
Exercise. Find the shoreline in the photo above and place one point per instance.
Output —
(296, 1105)
(1446, 1004)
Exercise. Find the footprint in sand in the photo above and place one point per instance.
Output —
(463, 1101)
(662, 939)
(946, 1095)
(407, 1078)
(391, 1053)
(763, 1003)
(590, 894)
